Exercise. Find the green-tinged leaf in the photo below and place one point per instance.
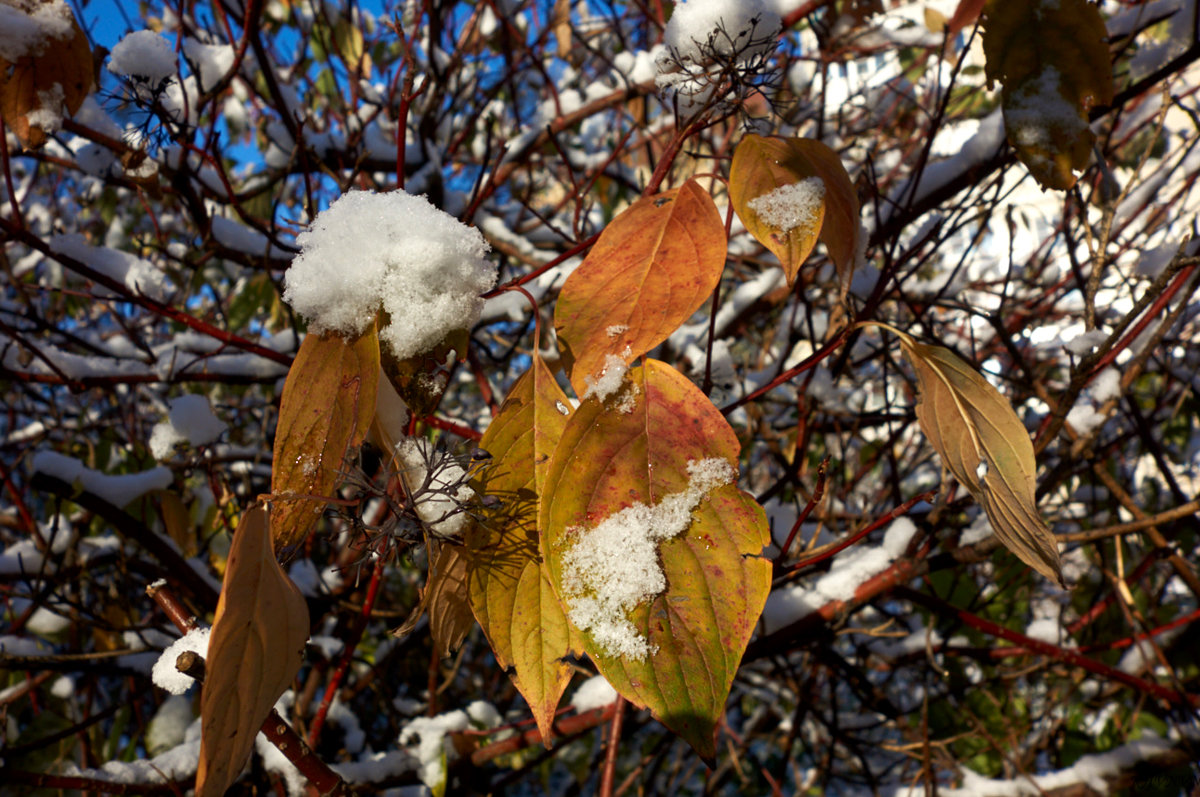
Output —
(695, 631)
(327, 406)
(792, 192)
(1052, 58)
(985, 445)
(653, 266)
(254, 651)
(510, 589)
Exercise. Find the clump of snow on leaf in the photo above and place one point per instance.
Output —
(190, 420)
(609, 379)
(1039, 116)
(791, 206)
(27, 27)
(438, 485)
(395, 252)
(610, 569)
(143, 54)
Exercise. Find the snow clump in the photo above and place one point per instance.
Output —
(28, 27)
(610, 569)
(190, 420)
(791, 206)
(425, 268)
(143, 55)
(166, 675)
(700, 29)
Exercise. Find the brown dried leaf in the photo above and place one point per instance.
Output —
(254, 652)
(53, 77)
(985, 445)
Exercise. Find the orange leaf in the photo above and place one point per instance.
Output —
(255, 650)
(327, 406)
(769, 175)
(510, 589)
(675, 651)
(53, 74)
(653, 266)
(1054, 63)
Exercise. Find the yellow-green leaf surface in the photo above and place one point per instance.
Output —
(764, 164)
(254, 651)
(716, 580)
(653, 266)
(1052, 58)
(327, 406)
(985, 445)
(510, 590)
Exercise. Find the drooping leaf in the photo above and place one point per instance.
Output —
(327, 406)
(653, 266)
(445, 599)
(716, 582)
(254, 651)
(984, 444)
(51, 79)
(510, 588)
(766, 164)
(1052, 58)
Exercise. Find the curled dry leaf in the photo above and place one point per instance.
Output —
(1052, 57)
(327, 407)
(987, 448)
(52, 75)
(445, 598)
(254, 652)
(765, 165)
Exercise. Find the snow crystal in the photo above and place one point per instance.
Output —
(165, 675)
(190, 420)
(595, 692)
(433, 749)
(610, 378)
(143, 54)
(27, 26)
(610, 569)
(699, 28)
(791, 206)
(438, 501)
(116, 490)
(397, 250)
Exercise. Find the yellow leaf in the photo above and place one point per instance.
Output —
(255, 650)
(327, 407)
(987, 448)
(1052, 58)
(510, 589)
(51, 77)
(790, 192)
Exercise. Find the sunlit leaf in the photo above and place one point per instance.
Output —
(696, 630)
(327, 406)
(255, 650)
(769, 172)
(51, 80)
(1052, 58)
(987, 448)
(653, 266)
(509, 586)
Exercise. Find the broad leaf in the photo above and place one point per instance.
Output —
(50, 80)
(653, 266)
(509, 587)
(790, 192)
(694, 631)
(445, 598)
(1052, 58)
(255, 650)
(327, 406)
(985, 445)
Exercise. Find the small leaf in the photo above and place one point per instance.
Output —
(445, 598)
(763, 165)
(653, 266)
(985, 445)
(716, 581)
(255, 650)
(510, 588)
(327, 406)
(1054, 63)
(54, 76)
